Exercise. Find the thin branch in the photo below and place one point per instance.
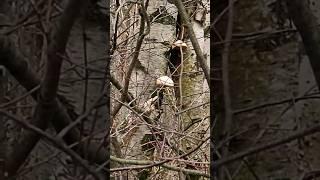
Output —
(85, 114)
(56, 142)
(142, 34)
(289, 100)
(14, 101)
(116, 83)
(200, 57)
(267, 146)
(190, 108)
(146, 162)
(46, 107)
(19, 67)
(149, 164)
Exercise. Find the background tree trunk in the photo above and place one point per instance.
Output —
(268, 64)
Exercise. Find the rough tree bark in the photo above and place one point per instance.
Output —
(307, 24)
(3, 128)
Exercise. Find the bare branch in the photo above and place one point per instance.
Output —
(267, 146)
(200, 57)
(146, 162)
(142, 34)
(46, 107)
(56, 142)
(149, 164)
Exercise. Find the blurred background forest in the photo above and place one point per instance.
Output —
(53, 57)
(266, 83)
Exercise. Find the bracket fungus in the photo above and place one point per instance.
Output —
(179, 44)
(155, 101)
(164, 81)
(150, 104)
